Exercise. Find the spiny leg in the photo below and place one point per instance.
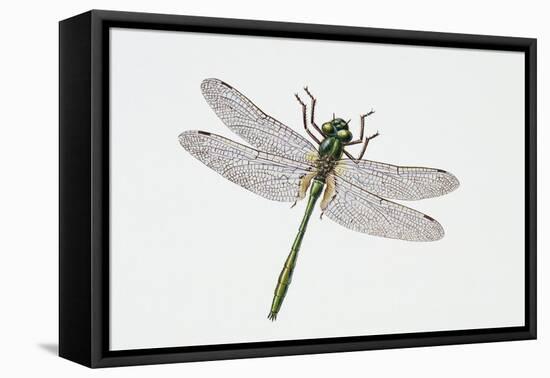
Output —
(360, 139)
(313, 103)
(367, 139)
(304, 119)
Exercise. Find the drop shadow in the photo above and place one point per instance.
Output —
(51, 348)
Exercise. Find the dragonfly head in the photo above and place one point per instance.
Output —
(337, 128)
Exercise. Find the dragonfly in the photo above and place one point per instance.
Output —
(281, 165)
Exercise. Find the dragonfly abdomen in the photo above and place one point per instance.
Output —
(285, 277)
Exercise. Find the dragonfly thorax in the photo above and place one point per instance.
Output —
(325, 165)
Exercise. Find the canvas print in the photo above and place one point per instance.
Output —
(266, 189)
(283, 166)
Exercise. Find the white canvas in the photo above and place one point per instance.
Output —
(194, 258)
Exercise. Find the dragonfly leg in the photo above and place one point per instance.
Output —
(367, 139)
(304, 119)
(364, 149)
(313, 103)
(350, 156)
(360, 139)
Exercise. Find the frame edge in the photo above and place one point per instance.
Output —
(531, 185)
(75, 114)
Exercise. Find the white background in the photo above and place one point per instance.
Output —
(28, 151)
(194, 258)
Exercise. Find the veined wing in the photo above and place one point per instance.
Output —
(252, 124)
(359, 210)
(395, 182)
(271, 176)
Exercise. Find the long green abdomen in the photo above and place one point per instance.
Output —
(286, 274)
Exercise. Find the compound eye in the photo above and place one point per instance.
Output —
(327, 128)
(344, 135)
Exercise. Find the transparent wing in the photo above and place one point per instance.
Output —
(252, 124)
(271, 176)
(359, 210)
(395, 182)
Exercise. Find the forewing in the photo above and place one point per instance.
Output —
(359, 210)
(395, 182)
(252, 124)
(271, 176)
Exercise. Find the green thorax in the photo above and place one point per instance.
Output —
(331, 148)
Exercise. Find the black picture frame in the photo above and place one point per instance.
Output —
(84, 188)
